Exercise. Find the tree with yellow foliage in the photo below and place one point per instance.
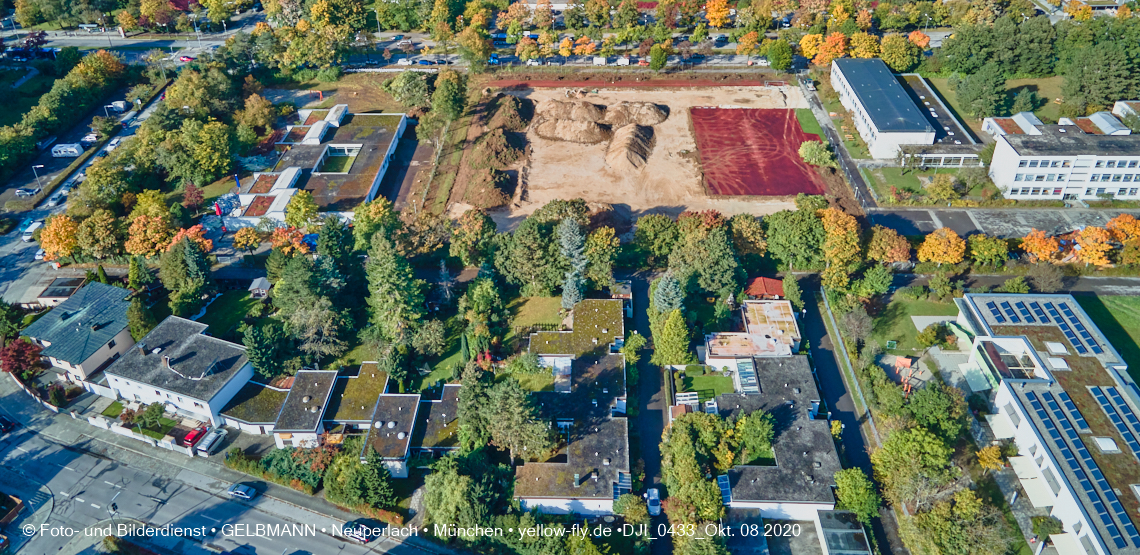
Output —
(717, 11)
(839, 14)
(833, 48)
(864, 45)
(809, 45)
(584, 46)
(989, 458)
(864, 20)
(1094, 245)
(126, 20)
(942, 246)
(746, 45)
(1040, 247)
(1123, 12)
(247, 239)
(566, 47)
(1078, 11)
(841, 242)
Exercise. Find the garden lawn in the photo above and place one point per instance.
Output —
(882, 179)
(338, 164)
(1118, 318)
(1048, 89)
(536, 382)
(809, 124)
(224, 314)
(21, 100)
(442, 369)
(707, 386)
(113, 410)
(533, 311)
(164, 427)
(894, 323)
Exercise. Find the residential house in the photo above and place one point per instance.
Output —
(770, 330)
(86, 332)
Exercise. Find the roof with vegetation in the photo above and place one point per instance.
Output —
(438, 424)
(83, 323)
(307, 401)
(391, 432)
(256, 404)
(354, 397)
(597, 322)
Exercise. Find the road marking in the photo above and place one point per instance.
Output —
(96, 506)
(112, 484)
(934, 218)
(65, 494)
(71, 469)
(79, 499)
(22, 449)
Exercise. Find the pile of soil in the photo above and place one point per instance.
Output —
(630, 148)
(584, 132)
(573, 110)
(485, 189)
(639, 113)
(511, 113)
(495, 150)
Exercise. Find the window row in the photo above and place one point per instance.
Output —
(1116, 163)
(1125, 177)
(1046, 164)
(1039, 177)
(1034, 191)
(1118, 193)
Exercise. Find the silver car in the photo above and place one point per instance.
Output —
(242, 491)
(653, 501)
(55, 199)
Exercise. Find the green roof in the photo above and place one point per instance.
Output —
(256, 404)
(354, 398)
(82, 324)
(597, 322)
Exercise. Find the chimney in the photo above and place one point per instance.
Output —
(142, 349)
(166, 361)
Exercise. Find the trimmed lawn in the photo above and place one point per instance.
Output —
(1048, 89)
(808, 123)
(441, 370)
(883, 178)
(164, 427)
(357, 355)
(707, 386)
(113, 410)
(855, 147)
(533, 311)
(338, 164)
(224, 314)
(942, 88)
(894, 323)
(1118, 318)
(536, 382)
(20, 100)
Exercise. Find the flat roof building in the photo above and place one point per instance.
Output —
(882, 111)
(770, 330)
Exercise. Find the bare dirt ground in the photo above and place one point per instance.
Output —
(670, 182)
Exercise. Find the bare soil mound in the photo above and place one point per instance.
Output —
(511, 113)
(494, 150)
(630, 148)
(486, 189)
(575, 110)
(584, 132)
(640, 113)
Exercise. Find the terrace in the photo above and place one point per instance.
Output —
(259, 206)
(770, 330)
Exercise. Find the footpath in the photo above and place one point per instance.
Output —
(206, 474)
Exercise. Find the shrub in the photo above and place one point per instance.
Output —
(56, 395)
(913, 292)
(328, 74)
(695, 370)
(817, 154)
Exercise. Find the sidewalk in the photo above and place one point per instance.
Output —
(38, 504)
(206, 474)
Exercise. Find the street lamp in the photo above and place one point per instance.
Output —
(927, 26)
(377, 23)
(105, 112)
(37, 174)
(112, 508)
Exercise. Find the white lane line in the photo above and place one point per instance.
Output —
(112, 484)
(79, 499)
(65, 494)
(96, 506)
(21, 449)
(71, 469)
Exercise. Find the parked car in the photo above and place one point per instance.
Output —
(362, 530)
(194, 435)
(89, 139)
(55, 199)
(6, 424)
(403, 62)
(28, 191)
(210, 443)
(40, 254)
(404, 43)
(533, 62)
(643, 63)
(29, 234)
(242, 491)
(398, 38)
(114, 143)
(653, 501)
(185, 59)
(425, 62)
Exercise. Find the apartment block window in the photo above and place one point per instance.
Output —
(198, 405)
(1057, 191)
(1060, 177)
(1018, 177)
(1022, 164)
(1116, 178)
(1066, 163)
(1033, 163)
(1036, 190)
(1040, 177)
(1050, 177)
(1099, 164)
(1127, 177)
(1094, 177)
(1121, 163)
(1132, 163)
(1055, 164)
(1100, 191)
(1014, 191)
(111, 345)
(157, 392)
(1132, 192)
(1089, 191)
(1109, 164)
(1105, 176)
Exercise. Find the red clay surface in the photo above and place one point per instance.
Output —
(753, 151)
(670, 83)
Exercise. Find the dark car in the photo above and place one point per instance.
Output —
(426, 63)
(6, 424)
(362, 530)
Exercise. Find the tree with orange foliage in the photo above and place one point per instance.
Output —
(1078, 11)
(1094, 243)
(196, 234)
(289, 240)
(1124, 227)
(942, 246)
(887, 246)
(919, 39)
(864, 45)
(746, 45)
(864, 19)
(584, 46)
(833, 48)
(566, 47)
(58, 237)
(1123, 12)
(809, 45)
(1040, 247)
(717, 11)
(149, 235)
(841, 242)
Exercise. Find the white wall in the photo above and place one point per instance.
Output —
(122, 341)
(784, 511)
(205, 410)
(223, 396)
(1064, 175)
(562, 506)
(387, 158)
(880, 144)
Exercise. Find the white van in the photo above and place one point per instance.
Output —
(27, 237)
(404, 62)
(211, 442)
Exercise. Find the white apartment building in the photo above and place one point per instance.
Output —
(884, 114)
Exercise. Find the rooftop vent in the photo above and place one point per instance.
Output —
(391, 425)
(156, 350)
(400, 435)
(606, 461)
(377, 424)
(306, 399)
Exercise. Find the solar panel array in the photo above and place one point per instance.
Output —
(1125, 411)
(1040, 313)
(725, 486)
(1025, 312)
(1094, 496)
(1081, 329)
(1075, 414)
(995, 313)
(623, 485)
(1072, 337)
(1009, 312)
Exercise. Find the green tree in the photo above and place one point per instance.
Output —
(706, 262)
(301, 212)
(756, 431)
(99, 235)
(899, 53)
(601, 250)
(668, 294)
(1025, 101)
(572, 246)
(1016, 285)
(368, 218)
(633, 508)
(857, 494)
(514, 423)
(988, 251)
(450, 94)
(910, 463)
(263, 348)
(395, 296)
(657, 58)
(671, 346)
(185, 272)
(792, 291)
(139, 319)
(941, 409)
(409, 88)
(138, 276)
(482, 307)
(780, 55)
(318, 328)
(981, 94)
(795, 238)
(530, 258)
(151, 416)
(655, 235)
(817, 154)
(10, 321)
